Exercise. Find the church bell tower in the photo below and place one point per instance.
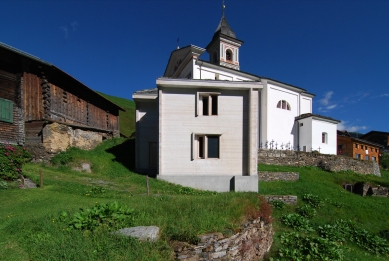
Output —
(224, 48)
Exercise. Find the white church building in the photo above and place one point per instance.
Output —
(204, 123)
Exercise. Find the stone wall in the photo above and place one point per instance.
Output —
(288, 199)
(274, 176)
(251, 243)
(58, 137)
(45, 143)
(327, 162)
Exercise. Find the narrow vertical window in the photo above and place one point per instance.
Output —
(229, 55)
(213, 146)
(205, 105)
(214, 104)
(201, 147)
(324, 137)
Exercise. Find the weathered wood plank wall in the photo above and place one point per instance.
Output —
(9, 90)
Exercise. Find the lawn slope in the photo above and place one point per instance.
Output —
(127, 118)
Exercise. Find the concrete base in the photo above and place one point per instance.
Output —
(222, 183)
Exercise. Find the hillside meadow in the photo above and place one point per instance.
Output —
(72, 216)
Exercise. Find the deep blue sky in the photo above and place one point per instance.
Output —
(338, 50)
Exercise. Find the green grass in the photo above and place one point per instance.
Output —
(32, 225)
(127, 118)
(370, 213)
(30, 219)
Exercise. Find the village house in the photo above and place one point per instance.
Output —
(47, 110)
(357, 148)
(379, 137)
(203, 124)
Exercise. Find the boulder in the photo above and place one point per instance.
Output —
(144, 233)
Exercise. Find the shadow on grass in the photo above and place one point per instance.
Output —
(125, 154)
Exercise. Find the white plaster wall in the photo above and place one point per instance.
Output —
(305, 134)
(146, 131)
(318, 127)
(306, 105)
(179, 122)
(205, 73)
(279, 122)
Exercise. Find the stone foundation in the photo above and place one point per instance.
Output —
(251, 243)
(45, 140)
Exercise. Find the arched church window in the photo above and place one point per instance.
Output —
(229, 55)
(282, 104)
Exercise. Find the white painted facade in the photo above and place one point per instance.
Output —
(252, 112)
(317, 134)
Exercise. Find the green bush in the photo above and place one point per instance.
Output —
(296, 221)
(384, 160)
(108, 216)
(302, 247)
(306, 211)
(61, 158)
(313, 200)
(278, 204)
(11, 160)
(3, 184)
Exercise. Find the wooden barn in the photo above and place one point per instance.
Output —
(35, 94)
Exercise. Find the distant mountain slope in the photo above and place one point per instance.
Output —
(127, 118)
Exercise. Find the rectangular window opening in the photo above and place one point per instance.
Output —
(6, 110)
(213, 146)
(205, 105)
(201, 147)
(208, 146)
(214, 104)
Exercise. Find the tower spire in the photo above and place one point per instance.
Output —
(223, 7)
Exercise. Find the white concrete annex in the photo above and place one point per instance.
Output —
(203, 124)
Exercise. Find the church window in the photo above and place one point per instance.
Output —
(207, 104)
(229, 55)
(324, 137)
(282, 104)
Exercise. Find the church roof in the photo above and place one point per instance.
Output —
(316, 116)
(224, 28)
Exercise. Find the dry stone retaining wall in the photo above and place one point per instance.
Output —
(251, 243)
(289, 199)
(274, 176)
(327, 162)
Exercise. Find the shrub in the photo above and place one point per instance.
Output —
(11, 160)
(101, 215)
(296, 221)
(313, 200)
(384, 161)
(61, 158)
(300, 247)
(306, 211)
(3, 184)
(263, 211)
(278, 204)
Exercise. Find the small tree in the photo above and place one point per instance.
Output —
(385, 161)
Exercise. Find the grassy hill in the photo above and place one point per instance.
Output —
(41, 223)
(127, 118)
